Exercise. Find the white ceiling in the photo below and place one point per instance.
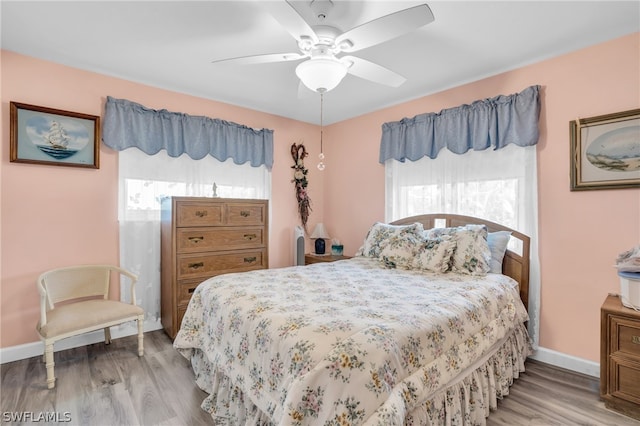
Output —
(172, 45)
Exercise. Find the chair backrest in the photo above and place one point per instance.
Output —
(75, 282)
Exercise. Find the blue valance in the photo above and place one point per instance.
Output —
(494, 122)
(128, 124)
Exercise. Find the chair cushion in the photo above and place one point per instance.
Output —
(81, 315)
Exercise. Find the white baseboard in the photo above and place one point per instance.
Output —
(568, 362)
(28, 350)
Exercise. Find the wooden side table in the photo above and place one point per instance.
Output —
(310, 258)
(620, 357)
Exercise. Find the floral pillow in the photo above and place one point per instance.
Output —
(400, 250)
(472, 255)
(380, 233)
(435, 254)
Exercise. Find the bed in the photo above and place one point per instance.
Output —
(423, 326)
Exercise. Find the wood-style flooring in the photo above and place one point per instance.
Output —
(110, 385)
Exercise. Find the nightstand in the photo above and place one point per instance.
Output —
(310, 258)
(620, 357)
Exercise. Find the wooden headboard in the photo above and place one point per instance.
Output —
(514, 265)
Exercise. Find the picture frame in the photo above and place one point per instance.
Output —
(40, 135)
(605, 151)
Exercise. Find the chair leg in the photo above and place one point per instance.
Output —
(140, 336)
(48, 355)
(107, 336)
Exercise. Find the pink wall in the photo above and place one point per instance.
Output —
(580, 233)
(56, 216)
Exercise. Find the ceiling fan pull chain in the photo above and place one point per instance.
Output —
(321, 156)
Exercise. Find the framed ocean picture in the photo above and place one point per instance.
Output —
(605, 151)
(42, 135)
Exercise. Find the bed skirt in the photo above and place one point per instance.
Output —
(467, 400)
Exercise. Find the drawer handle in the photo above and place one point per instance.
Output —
(196, 265)
(245, 213)
(249, 259)
(201, 213)
(196, 240)
(250, 236)
(635, 339)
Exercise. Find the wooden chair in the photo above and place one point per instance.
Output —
(74, 300)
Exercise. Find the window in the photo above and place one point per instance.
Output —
(144, 181)
(495, 185)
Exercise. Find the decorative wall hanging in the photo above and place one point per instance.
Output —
(51, 136)
(605, 151)
(298, 153)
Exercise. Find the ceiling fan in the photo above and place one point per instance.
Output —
(322, 45)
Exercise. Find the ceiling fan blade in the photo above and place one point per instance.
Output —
(373, 72)
(385, 28)
(261, 59)
(290, 19)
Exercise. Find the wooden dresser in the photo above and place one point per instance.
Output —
(620, 357)
(204, 237)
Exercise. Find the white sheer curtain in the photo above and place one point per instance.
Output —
(143, 181)
(497, 185)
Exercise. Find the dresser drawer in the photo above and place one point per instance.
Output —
(191, 240)
(185, 291)
(626, 339)
(625, 380)
(210, 264)
(199, 214)
(180, 314)
(239, 214)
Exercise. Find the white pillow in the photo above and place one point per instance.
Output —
(498, 246)
(472, 255)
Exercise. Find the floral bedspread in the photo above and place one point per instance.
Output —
(347, 342)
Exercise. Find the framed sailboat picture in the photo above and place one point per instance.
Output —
(42, 135)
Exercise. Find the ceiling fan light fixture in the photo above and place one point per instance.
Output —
(321, 74)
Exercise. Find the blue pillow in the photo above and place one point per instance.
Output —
(498, 245)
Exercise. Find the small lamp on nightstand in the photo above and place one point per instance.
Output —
(320, 234)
